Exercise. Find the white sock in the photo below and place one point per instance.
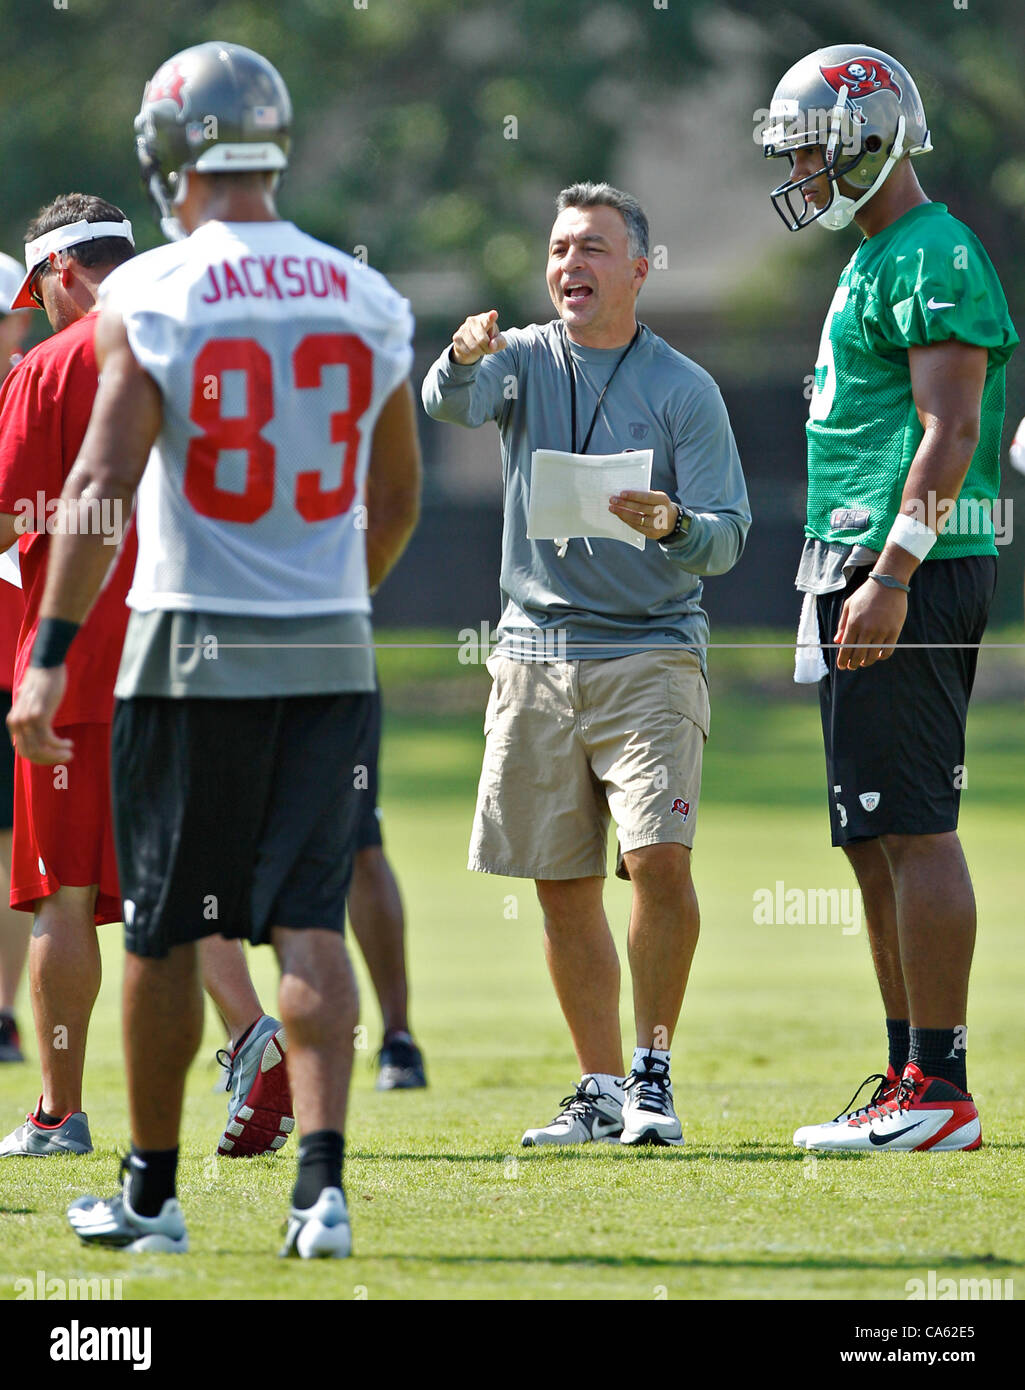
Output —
(641, 1055)
(609, 1085)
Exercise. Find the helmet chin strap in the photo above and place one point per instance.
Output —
(841, 211)
(169, 224)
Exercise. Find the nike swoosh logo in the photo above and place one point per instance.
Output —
(934, 304)
(877, 1139)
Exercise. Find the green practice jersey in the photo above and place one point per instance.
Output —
(925, 279)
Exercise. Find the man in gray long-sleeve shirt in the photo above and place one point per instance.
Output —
(599, 703)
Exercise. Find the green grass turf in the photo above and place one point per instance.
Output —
(779, 1025)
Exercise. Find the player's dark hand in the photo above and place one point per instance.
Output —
(870, 623)
(31, 718)
(652, 513)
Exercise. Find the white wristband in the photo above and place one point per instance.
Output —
(913, 536)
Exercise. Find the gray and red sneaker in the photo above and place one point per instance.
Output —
(33, 1139)
(260, 1109)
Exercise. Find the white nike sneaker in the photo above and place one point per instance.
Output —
(927, 1114)
(884, 1097)
(648, 1114)
(111, 1221)
(320, 1232)
(587, 1116)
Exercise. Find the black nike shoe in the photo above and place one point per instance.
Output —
(10, 1043)
(400, 1065)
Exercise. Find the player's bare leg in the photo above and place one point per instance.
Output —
(875, 880)
(227, 981)
(15, 929)
(64, 980)
(936, 916)
(664, 926)
(872, 870)
(375, 912)
(163, 1027)
(584, 967)
(319, 1007)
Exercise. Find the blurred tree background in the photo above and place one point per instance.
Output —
(428, 131)
(435, 133)
(402, 135)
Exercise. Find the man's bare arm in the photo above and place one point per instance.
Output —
(125, 421)
(393, 484)
(947, 381)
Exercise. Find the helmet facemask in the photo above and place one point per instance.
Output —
(789, 201)
(160, 194)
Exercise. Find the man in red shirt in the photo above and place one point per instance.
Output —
(64, 868)
(14, 927)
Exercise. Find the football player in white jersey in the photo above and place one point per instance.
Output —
(264, 375)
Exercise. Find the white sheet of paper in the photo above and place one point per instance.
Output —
(10, 566)
(569, 494)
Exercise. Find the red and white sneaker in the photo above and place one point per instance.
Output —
(882, 1097)
(260, 1109)
(927, 1114)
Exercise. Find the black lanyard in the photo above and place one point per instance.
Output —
(573, 389)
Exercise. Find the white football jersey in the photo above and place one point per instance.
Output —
(274, 354)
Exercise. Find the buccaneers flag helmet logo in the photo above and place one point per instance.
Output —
(167, 86)
(862, 77)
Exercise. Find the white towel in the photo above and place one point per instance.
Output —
(809, 665)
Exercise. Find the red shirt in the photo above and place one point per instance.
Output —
(45, 406)
(12, 609)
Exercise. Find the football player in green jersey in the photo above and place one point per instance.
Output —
(899, 562)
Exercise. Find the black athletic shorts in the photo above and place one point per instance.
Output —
(6, 766)
(234, 816)
(895, 731)
(368, 826)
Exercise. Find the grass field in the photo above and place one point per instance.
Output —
(779, 1025)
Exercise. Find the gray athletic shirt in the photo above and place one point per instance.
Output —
(218, 656)
(618, 600)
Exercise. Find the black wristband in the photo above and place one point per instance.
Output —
(889, 582)
(53, 638)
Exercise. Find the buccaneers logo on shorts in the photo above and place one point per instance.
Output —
(681, 807)
(862, 77)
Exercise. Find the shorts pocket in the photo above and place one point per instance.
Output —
(687, 690)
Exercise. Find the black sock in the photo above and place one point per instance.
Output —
(45, 1118)
(898, 1033)
(152, 1179)
(940, 1052)
(320, 1166)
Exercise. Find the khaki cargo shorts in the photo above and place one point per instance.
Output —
(570, 743)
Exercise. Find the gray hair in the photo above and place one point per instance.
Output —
(603, 195)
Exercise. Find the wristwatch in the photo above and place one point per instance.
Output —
(683, 521)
